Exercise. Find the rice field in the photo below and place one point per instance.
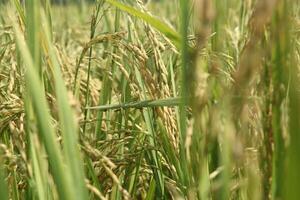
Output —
(161, 99)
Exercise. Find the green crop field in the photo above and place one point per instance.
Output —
(161, 99)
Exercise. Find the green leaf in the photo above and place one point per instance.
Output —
(162, 27)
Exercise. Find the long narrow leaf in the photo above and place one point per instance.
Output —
(156, 23)
(46, 132)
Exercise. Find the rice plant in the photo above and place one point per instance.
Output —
(161, 99)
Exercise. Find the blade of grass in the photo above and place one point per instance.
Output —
(185, 60)
(33, 31)
(92, 35)
(66, 121)
(156, 23)
(279, 76)
(152, 155)
(20, 10)
(170, 102)
(286, 55)
(40, 182)
(61, 176)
